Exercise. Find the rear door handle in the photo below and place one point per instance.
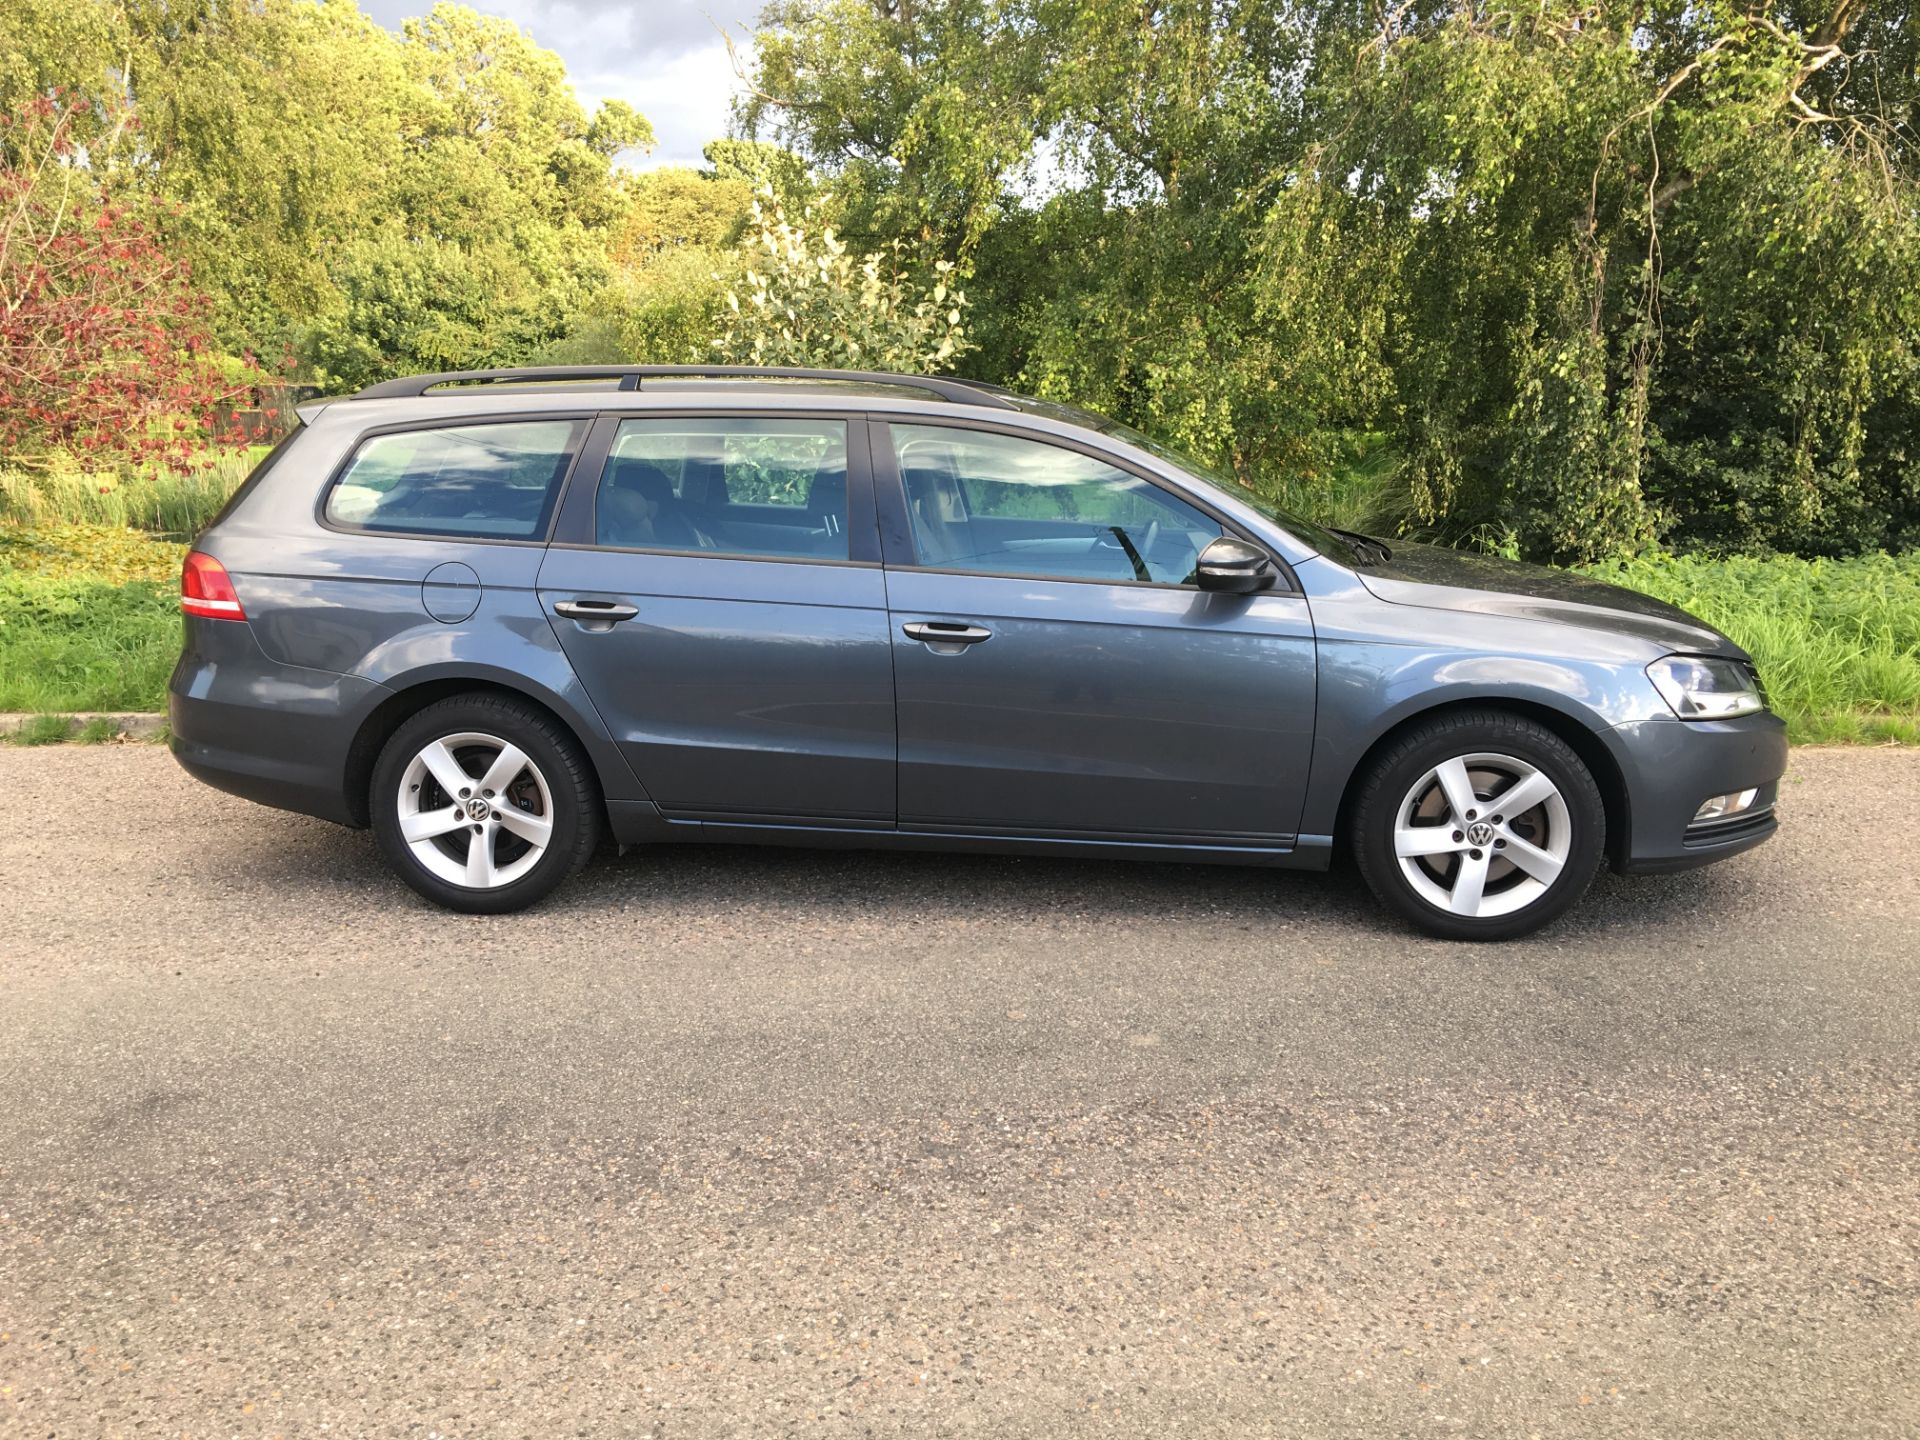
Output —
(595, 614)
(945, 636)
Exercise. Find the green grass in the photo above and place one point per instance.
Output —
(1837, 641)
(1356, 489)
(42, 730)
(68, 646)
(89, 619)
(97, 731)
(165, 502)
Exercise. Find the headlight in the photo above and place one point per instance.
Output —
(1699, 687)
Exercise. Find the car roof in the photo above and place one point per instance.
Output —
(639, 377)
(458, 394)
(572, 399)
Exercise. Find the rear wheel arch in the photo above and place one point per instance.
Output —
(394, 711)
(1579, 738)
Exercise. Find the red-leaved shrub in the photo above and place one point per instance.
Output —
(104, 346)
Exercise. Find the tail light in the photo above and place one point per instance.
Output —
(207, 590)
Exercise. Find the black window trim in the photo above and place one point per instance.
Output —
(576, 520)
(896, 529)
(582, 420)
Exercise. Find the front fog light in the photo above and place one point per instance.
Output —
(1705, 687)
(1725, 807)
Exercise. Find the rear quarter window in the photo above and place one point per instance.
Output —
(493, 480)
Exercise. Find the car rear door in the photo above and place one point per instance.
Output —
(1058, 672)
(715, 581)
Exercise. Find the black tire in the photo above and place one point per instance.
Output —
(1391, 781)
(574, 794)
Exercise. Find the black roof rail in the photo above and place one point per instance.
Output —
(961, 392)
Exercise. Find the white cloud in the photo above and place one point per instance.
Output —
(688, 97)
(666, 58)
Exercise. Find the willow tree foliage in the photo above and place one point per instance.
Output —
(1602, 272)
(1625, 272)
(1091, 165)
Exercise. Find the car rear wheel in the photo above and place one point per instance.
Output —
(1479, 826)
(483, 804)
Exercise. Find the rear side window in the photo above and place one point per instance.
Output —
(735, 487)
(492, 481)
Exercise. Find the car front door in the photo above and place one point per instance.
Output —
(718, 590)
(1059, 673)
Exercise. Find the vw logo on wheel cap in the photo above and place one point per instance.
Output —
(476, 809)
(1480, 833)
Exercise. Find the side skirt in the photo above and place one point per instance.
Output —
(639, 823)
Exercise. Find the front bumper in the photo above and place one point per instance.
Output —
(1671, 766)
(272, 733)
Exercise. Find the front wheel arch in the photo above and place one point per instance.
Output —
(1591, 749)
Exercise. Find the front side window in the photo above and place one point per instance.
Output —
(492, 481)
(737, 487)
(1004, 504)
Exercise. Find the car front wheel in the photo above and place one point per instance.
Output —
(483, 804)
(1479, 826)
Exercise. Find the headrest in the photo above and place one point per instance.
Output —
(641, 477)
(929, 485)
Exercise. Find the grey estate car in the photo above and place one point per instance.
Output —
(497, 614)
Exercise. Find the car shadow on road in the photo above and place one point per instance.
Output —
(879, 882)
(883, 884)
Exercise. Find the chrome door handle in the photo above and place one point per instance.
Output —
(942, 634)
(595, 614)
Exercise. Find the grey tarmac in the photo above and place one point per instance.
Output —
(729, 1142)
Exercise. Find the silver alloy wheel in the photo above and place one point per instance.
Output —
(1482, 835)
(475, 810)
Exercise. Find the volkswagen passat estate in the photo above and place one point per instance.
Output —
(497, 615)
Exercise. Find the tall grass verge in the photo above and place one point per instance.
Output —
(1837, 641)
(1360, 490)
(165, 502)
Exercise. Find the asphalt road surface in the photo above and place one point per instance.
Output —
(751, 1142)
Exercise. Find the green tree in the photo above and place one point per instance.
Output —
(663, 312)
(1633, 284)
(760, 166)
(675, 207)
(1095, 167)
(921, 113)
(302, 149)
(671, 255)
(492, 230)
(806, 299)
(1601, 271)
(265, 126)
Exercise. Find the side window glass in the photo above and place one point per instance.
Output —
(733, 487)
(1003, 504)
(485, 481)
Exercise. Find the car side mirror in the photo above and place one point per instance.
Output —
(1233, 567)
